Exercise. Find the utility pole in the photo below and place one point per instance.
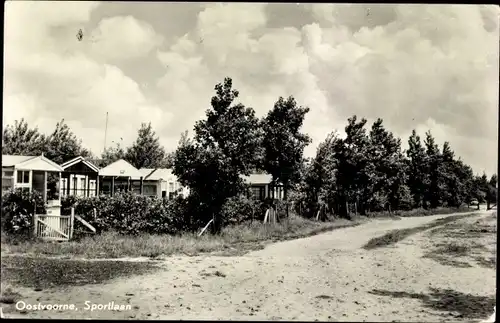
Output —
(105, 131)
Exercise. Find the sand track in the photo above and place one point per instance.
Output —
(324, 277)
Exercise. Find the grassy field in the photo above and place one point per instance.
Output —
(233, 240)
(41, 265)
(465, 244)
(395, 236)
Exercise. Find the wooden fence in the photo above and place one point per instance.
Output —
(57, 227)
(53, 227)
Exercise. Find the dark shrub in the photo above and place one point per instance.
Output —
(18, 208)
(129, 213)
(240, 209)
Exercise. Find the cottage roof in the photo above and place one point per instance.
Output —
(158, 174)
(39, 163)
(121, 168)
(77, 160)
(257, 179)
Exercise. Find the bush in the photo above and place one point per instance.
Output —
(18, 208)
(241, 209)
(128, 213)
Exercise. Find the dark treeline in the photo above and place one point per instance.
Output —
(367, 168)
(62, 145)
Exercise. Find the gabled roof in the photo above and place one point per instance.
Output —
(77, 160)
(40, 163)
(12, 160)
(121, 168)
(257, 178)
(146, 171)
(158, 174)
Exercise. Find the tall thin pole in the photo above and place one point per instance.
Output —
(106, 131)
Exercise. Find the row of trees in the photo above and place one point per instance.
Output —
(62, 145)
(370, 169)
(367, 167)
(232, 141)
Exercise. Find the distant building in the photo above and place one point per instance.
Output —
(79, 178)
(165, 182)
(82, 177)
(261, 187)
(30, 173)
(120, 176)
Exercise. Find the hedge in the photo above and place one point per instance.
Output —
(129, 213)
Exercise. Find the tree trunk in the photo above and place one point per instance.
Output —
(285, 197)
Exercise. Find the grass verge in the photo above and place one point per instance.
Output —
(420, 212)
(233, 240)
(394, 236)
(40, 273)
(465, 243)
(451, 303)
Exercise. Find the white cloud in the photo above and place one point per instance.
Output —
(57, 77)
(415, 66)
(118, 38)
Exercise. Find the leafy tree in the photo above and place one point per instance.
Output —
(452, 187)
(492, 194)
(63, 145)
(146, 151)
(225, 145)
(319, 183)
(19, 139)
(111, 154)
(434, 168)
(417, 169)
(388, 169)
(353, 171)
(284, 143)
(168, 162)
(461, 188)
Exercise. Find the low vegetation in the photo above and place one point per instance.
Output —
(234, 239)
(473, 244)
(454, 304)
(41, 273)
(395, 236)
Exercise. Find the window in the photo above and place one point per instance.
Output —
(23, 177)
(63, 186)
(8, 173)
(258, 192)
(7, 183)
(149, 190)
(75, 183)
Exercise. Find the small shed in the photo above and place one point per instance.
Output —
(262, 188)
(79, 178)
(30, 173)
(167, 185)
(120, 176)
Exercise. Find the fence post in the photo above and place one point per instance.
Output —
(94, 211)
(35, 225)
(71, 223)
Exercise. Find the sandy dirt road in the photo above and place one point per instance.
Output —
(328, 277)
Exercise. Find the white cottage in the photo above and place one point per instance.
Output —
(29, 173)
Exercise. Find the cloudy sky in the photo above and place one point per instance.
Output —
(416, 66)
